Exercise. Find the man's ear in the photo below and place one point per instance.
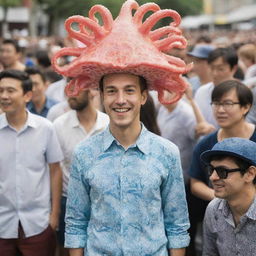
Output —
(144, 97)
(28, 96)
(250, 174)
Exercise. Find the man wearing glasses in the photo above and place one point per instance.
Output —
(230, 219)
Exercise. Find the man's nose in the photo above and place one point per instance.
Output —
(120, 97)
(214, 176)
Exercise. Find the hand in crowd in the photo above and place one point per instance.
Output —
(204, 128)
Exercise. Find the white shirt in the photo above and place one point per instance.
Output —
(56, 90)
(203, 98)
(70, 132)
(24, 175)
(178, 126)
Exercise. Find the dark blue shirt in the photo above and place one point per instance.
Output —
(48, 104)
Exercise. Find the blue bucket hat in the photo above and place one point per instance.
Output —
(201, 51)
(237, 147)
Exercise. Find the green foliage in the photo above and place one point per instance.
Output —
(65, 8)
(10, 3)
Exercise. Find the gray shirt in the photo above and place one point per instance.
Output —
(222, 237)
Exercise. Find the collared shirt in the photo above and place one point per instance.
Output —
(222, 237)
(48, 104)
(126, 202)
(24, 176)
(70, 132)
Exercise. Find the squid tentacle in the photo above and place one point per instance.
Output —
(80, 35)
(127, 7)
(155, 17)
(161, 32)
(68, 51)
(140, 13)
(105, 14)
(171, 42)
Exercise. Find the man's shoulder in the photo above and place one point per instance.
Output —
(39, 120)
(91, 144)
(214, 205)
(161, 145)
(204, 89)
(62, 119)
(208, 141)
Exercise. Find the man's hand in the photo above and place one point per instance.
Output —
(204, 128)
(54, 220)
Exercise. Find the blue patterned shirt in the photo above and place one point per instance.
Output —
(126, 202)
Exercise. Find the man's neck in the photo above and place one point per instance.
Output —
(17, 65)
(39, 104)
(241, 130)
(205, 77)
(17, 119)
(126, 136)
(240, 205)
(87, 117)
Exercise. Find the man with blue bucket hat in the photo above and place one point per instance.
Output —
(230, 219)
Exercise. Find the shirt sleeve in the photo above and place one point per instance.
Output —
(209, 236)
(53, 151)
(78, 206)
(175, 210)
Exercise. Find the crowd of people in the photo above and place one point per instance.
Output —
(212, 126)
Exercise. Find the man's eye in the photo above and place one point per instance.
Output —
(228, 103)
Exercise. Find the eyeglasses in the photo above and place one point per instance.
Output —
(221, 171)
(227, 105)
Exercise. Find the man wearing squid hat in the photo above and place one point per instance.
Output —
(126, 194)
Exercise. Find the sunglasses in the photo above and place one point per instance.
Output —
(221, 171)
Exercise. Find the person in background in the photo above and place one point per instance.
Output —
(199, 56)
(40, 103)
(82, 121)
(230, 218)
(30, 183)
(10, 55)
(223, 65)
(247, 60)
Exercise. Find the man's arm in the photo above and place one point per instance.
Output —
(174, 203)
(56, 189)
(177, 252)
(201, 190)
(76, 252)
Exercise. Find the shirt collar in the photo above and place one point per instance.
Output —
(142, 142)
(251, 213)
(30, 121)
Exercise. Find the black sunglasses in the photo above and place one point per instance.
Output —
(221, 171)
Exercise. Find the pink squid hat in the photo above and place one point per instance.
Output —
(126, 45)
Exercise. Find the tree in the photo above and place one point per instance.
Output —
(57, 9)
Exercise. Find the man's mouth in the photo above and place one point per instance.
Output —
(121, 110)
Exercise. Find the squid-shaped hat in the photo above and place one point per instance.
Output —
(127, 44)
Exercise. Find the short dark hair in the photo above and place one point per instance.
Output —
(142, 82)
(22, 76)
(244, 94)
(12, 42)
(228, 54)
(35, 71)
(241, 163)
(43, 58)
